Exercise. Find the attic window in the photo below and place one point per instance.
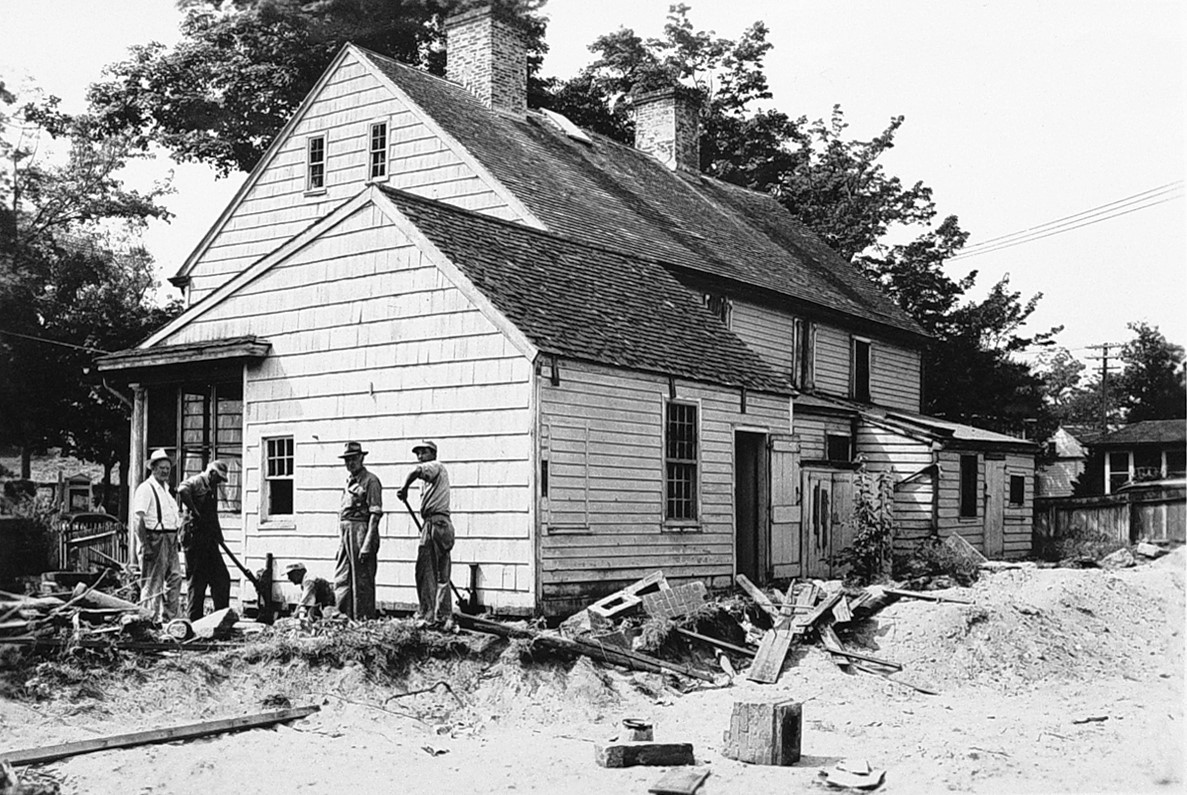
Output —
(719, 305)
(377, 159)
(315, 169)
(567, 127)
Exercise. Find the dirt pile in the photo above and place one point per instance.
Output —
(1031, 625)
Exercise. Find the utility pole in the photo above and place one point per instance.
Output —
(1104, 378)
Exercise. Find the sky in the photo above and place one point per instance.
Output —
(1018, 114)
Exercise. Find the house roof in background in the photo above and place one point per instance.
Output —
(589, 303)
(1145, 432)
(613, 195)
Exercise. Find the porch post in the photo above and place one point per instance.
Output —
(136, 459)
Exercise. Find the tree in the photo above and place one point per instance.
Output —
(242, 67)
(1151, 387)
(67, 290)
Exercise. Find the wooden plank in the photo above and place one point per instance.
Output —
(803, 623)
(680, 782)
(760, 598)
(841, 612)
(834, 646)
(721, 644)
(928, 596)
(33, 756)
(768, 662)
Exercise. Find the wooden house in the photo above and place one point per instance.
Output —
(627, 365)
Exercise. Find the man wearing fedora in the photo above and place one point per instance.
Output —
(433, 562)
(204, 566)
(155, 521)
(362, 507)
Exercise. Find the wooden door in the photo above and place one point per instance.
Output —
(995, 505)
(784, 456)
(818, 500)
(751, 542)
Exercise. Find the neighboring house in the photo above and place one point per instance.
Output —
(627, 365)
(1142, 451)
(69, 484)
(1063, 460)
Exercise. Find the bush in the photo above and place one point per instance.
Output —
(27, 539)
(933, 558)
(1079, 543)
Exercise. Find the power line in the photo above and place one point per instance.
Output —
(1033, 238)
(53, 342)
(1099, 209)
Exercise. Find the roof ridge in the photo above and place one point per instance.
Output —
(373, 54)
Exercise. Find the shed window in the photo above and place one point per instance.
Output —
(968, 486)
(316, 164)
(720, 306)
(861, 370)
(378, 151)
(839, 448)
(1017, 489)
(680, 461)
(1176, 463)
(278, 477)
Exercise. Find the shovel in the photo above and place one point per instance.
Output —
(463, 603)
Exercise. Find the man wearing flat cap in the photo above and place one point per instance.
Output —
(433, 562)
(155, 520)
(200, 540)
(362, 507)
(316, 593)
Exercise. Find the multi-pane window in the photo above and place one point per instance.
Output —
(680, 462)
(278, 477)
(197, 424)
(968, 486)
(1017, 489)
(377, 159)
(861, 370)
(316, 163)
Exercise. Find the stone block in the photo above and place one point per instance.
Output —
(765, 732)
(630, 753)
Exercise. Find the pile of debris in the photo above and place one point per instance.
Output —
(89, 616)
(753, 635)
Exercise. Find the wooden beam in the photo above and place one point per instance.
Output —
(34, 756)
(927, 596)
(760, 598)
(721, 644)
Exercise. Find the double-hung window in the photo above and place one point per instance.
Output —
(277, 499)
(681, 449)
(377, 151)
(315, 164)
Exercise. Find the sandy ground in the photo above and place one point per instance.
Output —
(1038, 651)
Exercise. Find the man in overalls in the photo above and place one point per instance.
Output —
(362, 507)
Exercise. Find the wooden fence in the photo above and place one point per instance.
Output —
(87, 541)
(1154, 513)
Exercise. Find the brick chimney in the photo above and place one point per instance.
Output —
(486, 54)
(668, 126)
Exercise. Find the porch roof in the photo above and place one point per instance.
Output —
(231, 348)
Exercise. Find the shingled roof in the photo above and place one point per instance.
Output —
(589, 303)
(613, 195)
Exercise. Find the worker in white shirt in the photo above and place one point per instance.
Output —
(156, 519)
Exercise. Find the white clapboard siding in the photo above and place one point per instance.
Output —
(885, 450)
(385, 351)
(811, 430)
(1019, 519)
(949, 518)
(276, 206)
(769, 332)
(895, 374)
(603, 518)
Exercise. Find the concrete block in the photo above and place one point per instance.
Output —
(630, 753)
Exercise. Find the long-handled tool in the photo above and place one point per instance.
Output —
(463, 603)
(263, 591)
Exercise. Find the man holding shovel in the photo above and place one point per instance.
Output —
(362, 508)
(436, 538)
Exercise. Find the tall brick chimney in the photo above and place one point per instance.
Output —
(487, 55)
(668, 126)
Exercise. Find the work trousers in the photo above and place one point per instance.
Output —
(160, 568)
(204, 567)
(433, 566)
(354, 575)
